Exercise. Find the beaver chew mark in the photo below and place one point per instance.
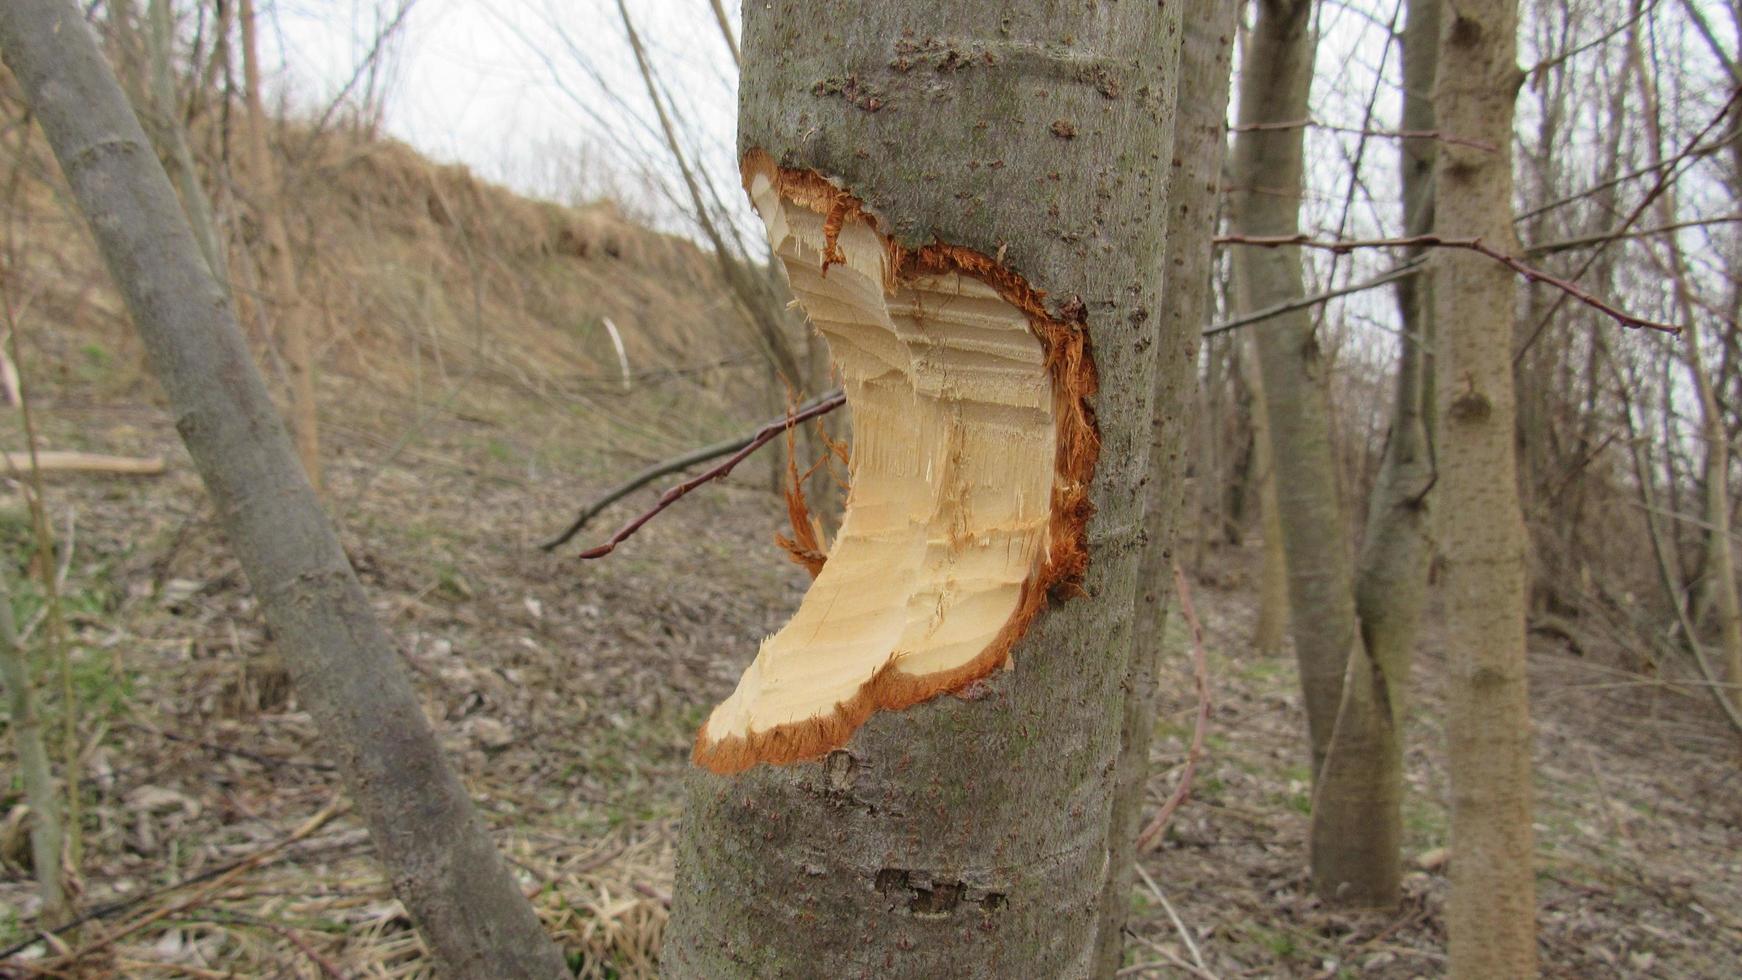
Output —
(938, 563)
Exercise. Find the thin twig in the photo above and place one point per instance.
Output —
(1178, 924)
(1174, 958)
(320, 819)
(675, 464)
(1201, 680)
(1664, 179)
(762, 437)
(1531, 273)
(1400, 134)
(1404, 271)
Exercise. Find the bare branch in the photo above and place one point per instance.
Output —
(762, 437)
(1476, 245)
(1396, 134)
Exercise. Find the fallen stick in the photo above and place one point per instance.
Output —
(754, 440)
(71, 462)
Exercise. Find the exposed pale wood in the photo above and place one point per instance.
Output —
(952, 474)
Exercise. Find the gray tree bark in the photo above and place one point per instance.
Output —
(1354, 626)
(1206, 63)
(345, 667)
(962, 838)
(1276, 77)
(1491, 916)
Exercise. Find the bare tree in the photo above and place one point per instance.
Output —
(1491, 917)
(833, 835)
(345, 667)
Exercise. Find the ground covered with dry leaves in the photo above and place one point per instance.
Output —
(218, 843)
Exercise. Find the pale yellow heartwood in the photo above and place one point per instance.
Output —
(952, 476)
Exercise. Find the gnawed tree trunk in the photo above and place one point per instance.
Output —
(289, 318)
(1204, 71)
(964, 197)
(1491, 916)
(345, 667)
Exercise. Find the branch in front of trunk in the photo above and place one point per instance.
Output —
(762, 437)
(1529, 272)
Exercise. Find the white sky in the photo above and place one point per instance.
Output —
(543, 95)
(512, 89)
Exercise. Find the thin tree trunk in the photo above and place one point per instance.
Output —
(34, 767)
(289, 315)
(962, 837)
(344, 665)
(1268, 175)
(172, 138)
(1491, 915)
(1267, 632)
(1206, 63)
(1717, 588)
(1357, 789)
(1391, 577)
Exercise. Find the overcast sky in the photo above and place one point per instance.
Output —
(526, 92)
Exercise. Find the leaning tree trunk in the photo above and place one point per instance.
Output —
(1356, 822)
(964, 198)
(1205, 66)
(1491, 916)
(345, 667)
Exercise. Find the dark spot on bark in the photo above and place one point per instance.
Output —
(1140, 316)
(1064, 129)
(993, 902)
(939, 901)
(1460, 171)
(891, 880)
(1465, 32)
(1471, 407)
(867, 98)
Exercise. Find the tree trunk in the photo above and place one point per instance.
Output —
(172, 138)
(291, 323)
(899, 151)
(1267, 632)
(1391, 577)
(1491, 915)
(1356, 779)
(345, 667)
(1205, 65)
(1275, 77)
